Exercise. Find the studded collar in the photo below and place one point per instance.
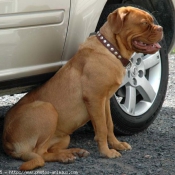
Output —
(112, 49)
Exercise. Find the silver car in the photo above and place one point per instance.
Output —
(37, 37)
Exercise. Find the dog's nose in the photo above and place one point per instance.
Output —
(159, 28)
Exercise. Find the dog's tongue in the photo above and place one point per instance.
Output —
(152, 47)
(147, 47)
(157, 45)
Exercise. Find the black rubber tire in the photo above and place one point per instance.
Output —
(126, 124)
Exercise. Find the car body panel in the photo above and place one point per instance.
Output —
(84, 16)
(29, 19)
(32, 36)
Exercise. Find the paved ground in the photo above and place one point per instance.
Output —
(153, 150)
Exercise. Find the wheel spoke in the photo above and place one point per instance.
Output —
(130, 101)
(146, 90)
(151, 60)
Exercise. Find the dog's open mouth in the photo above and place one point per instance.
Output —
(146, 48)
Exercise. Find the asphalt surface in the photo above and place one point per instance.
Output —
(153, 151)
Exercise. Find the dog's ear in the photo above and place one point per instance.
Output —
(116, 19)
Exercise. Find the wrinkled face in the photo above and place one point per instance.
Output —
(136, 29)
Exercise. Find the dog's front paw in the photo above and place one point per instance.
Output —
(121, 146)
(110, 153)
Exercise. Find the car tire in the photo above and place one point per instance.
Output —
(139, 99)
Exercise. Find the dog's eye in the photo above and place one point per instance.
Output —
(145, 23)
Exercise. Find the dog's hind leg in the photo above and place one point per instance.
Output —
(33, 161)
(28, 131)
(65, 155)
(59, 152)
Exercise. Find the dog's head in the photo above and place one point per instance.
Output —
(136, 29)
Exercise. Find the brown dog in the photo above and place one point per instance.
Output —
(37, 128)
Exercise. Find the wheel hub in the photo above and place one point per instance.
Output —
(135, 71)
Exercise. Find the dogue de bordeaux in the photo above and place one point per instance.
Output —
(37, 128)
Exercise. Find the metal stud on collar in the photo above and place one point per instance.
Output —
(112, 49)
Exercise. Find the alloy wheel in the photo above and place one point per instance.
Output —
(140, 85)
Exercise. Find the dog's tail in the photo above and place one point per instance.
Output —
(33, 161)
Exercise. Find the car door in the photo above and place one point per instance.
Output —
(32, 36)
